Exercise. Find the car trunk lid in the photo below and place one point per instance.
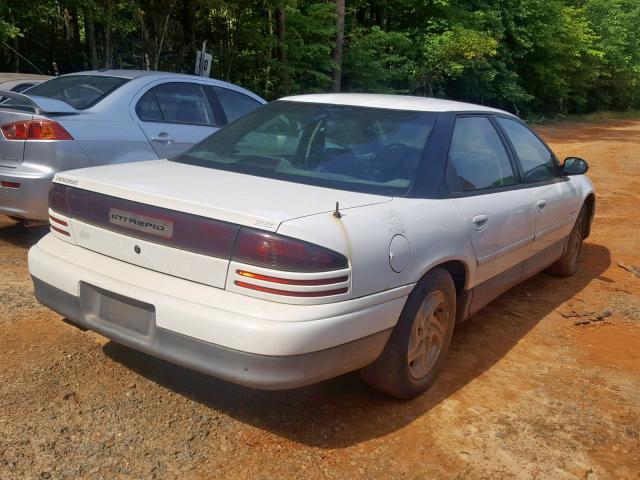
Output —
(182, 220)
(228, 196)
(18, 107)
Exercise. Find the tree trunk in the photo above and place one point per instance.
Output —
(337, 53)
(108, 51)
(68, 28)
(75, 59)
(107, 44)
(380, 15)
(16, 47)
(163, 33)
(144, 34)
(188, 20)
(91, 37)
(281, 33)
(75, 25)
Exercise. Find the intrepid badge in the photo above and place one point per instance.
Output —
(141, 223)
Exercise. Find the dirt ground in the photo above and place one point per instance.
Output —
(543, 383)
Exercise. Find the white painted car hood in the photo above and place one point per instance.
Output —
(233, 197)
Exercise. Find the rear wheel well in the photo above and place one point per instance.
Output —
(590, 203)
(458, 272)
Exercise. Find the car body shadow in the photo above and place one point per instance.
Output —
(344, 411)
(16, 233)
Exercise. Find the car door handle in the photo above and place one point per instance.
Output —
(480, 222)
(541, 204)
(163, 137)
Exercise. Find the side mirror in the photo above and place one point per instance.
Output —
(574, 166)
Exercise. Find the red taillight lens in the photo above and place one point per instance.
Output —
(47, 130)
(35, 130)
(7, 184)
(292, 281)
(292, 293)
(53, 219)
(58, 198)
(270, 250)
(15, 131)
(59, 230)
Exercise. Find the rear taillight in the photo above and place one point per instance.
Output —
(269, 250)
(293, 281)
(58, 198)
(58, 225)
(15, 131)
(293, 293)
(35, 130)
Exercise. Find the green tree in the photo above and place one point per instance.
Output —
(526, 56)
(617, 24)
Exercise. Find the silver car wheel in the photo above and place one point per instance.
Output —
(428, 334)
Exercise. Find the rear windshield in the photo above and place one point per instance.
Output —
(362, 149)
(79, 91)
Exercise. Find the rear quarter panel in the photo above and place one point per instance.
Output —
(106, 133)
(435, 231)
(105, 141)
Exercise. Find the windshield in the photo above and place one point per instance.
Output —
(79, 91)
(369, 150)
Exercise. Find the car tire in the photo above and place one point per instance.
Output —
(417, 347)
(568, 263)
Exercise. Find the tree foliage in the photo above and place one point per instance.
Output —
(522, 55)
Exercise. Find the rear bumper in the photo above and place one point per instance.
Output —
(249, 369)
(253, 342)
(30, 201)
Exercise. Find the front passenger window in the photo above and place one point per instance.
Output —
(477, 157)
(537, 162)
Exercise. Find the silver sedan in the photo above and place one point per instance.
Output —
(104, 117)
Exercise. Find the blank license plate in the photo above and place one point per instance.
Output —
(123, 312)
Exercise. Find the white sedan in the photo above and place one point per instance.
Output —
(318, 235)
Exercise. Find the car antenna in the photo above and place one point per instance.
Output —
(337, 213)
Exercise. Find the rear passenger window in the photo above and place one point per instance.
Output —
(148, 109)
(477, 157)
(183, 103)
(537, 162)
(235, 104)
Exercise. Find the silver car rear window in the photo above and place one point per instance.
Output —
(79, 91)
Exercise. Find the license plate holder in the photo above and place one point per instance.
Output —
(117, 311)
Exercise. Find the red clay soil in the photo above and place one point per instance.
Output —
(543, 383)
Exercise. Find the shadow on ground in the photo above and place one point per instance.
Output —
(18, 235)
(344, 411)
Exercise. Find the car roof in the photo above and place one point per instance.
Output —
(392, 102)
(130, 74)
(153, 75)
